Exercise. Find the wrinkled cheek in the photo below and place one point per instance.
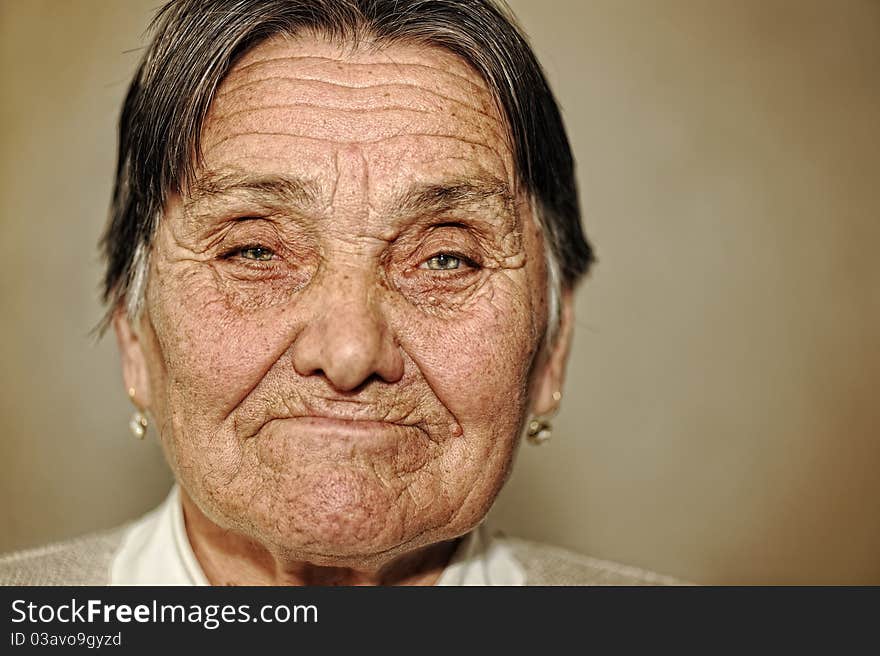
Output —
(207, 359)
(478, 366)
(213, 353)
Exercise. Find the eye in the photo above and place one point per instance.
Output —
(444, 262)
(258, 253)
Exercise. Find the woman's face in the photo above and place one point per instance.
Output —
(343, 315)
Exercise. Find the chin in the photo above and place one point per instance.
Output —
(329, 514)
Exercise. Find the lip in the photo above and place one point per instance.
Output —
(338, 428)
(322, 421)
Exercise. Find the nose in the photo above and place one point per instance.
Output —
(347, 339)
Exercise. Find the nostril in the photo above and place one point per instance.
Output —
(346, 391)
(346, 384)
(348, 347)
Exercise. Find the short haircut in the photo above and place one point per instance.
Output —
(196, 42)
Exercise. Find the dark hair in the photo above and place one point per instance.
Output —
(196, 42)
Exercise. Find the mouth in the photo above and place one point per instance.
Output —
(338, 429)
(344, 423)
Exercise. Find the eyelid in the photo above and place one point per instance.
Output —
(249, 217)
(237, 237)
(454, 237)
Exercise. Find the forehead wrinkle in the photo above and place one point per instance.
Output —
(385, 138)
(309, 105)
(391, 87)
(392, 64)
(323, 118)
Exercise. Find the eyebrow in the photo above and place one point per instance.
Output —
(303, 194)
(430, 199)
(271, 189)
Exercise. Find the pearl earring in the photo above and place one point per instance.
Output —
(540, 430)
(138, 422)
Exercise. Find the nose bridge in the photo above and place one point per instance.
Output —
(349, 289)
(347, 338)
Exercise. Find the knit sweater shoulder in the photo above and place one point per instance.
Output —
(87, 560)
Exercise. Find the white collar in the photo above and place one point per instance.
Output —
(156, 551)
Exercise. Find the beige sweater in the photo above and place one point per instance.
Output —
(86, 561)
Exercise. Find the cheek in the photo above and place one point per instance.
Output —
(213, 351)
(478, 361)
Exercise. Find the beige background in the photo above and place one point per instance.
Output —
(720, 422)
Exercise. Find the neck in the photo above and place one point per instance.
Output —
(230, 558)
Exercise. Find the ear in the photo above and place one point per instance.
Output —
(134, 364)
(551, 378)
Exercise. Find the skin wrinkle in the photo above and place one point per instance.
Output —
(305, 105)
(372, 140)
(418, 94)
(331, 75)
(256, 158)
(267, 154)
(342, 321)
(400, 67)
(385, 122)
(292, 108)
(241, 117)
(303, 406)
(228, 185)
(277, 192)
(429, 199)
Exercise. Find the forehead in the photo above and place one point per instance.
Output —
(304, 107)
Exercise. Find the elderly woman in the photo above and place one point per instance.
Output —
(344, 239)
